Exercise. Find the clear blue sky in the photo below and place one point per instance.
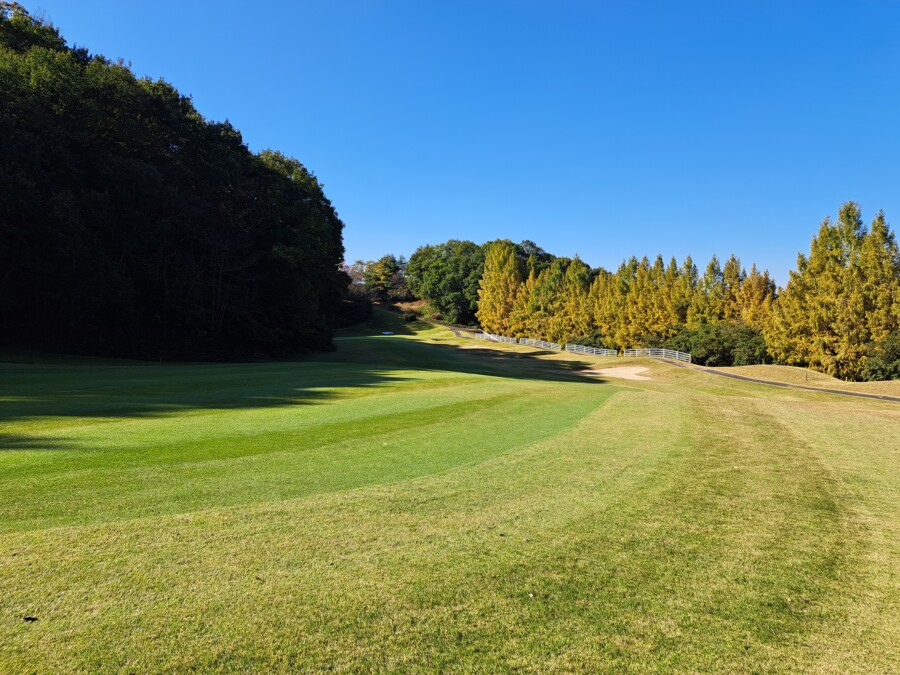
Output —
(600, 128)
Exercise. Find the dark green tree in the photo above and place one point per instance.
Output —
(130, 225)
(448, 275)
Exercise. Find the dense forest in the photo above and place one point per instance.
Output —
(838, 313)
(131, 225)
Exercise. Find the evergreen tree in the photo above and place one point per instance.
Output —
(604, 306)
(707, 303)
(732, 279)
(840, 300)
(521, 322)
(639, 304)
(756, 300)
(499, 287)
(547, 321)
(573, 310)
(879, 273)
(682, 293)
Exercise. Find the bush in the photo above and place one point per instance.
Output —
(884, 359)
(410, 316)
(729, 343)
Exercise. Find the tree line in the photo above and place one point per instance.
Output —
(839, 312)
(131, 225)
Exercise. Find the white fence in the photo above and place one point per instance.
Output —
(593, 351)
(494, 338)
(543, 344)
(659, 353)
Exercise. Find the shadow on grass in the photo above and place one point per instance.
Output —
(134, 389)
(21, 442)
(367, 344)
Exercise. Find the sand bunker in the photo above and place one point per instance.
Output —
(620, 372)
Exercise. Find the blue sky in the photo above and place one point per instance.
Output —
(604, 129)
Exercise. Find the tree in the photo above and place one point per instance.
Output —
(534, 256)
(726, 343)
(884, 359)
(384, 277)
(756, 300)
(879, 279)
(448, 276)
(573, 317)
(732, 280)
(547, 322)
(708, 300)
(499, 287)
(356, 271)
(524, 309)
(842, 300)
(604, 305)
(130, 225)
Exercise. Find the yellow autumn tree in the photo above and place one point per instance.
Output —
(708, 299)
(822, 317)
(575, 320)
(521, 318)
(756, 300)
(499, 286)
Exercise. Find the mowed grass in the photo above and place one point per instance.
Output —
(412, 503)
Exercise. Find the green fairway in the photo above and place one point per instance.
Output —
(423, 502)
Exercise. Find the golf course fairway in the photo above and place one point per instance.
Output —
(425, 502)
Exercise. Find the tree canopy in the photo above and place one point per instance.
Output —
(448, 275)
(843, 300)
(839, 312)
(131, 225)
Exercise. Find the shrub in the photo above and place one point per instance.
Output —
(884, 359)
(728, 343)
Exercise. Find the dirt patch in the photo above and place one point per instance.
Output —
(620, 372)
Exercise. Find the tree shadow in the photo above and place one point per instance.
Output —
(475, 358)
(22, 442)
(159, 390)
(135, 389)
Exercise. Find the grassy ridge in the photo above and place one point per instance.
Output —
(404, 503)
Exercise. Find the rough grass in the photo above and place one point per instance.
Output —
(812, 378)
(405, 505)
